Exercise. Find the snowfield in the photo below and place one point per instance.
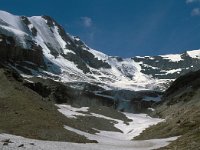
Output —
(107, 140)
(31, 144)
(115, 140)
(194, 54)
(172, 57)
(129, 131)
(134, 128)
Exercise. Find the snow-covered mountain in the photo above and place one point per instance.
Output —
(39, 46)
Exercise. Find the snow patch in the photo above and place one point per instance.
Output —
(194, 53)
(71, 112)
(138, 124)
(172, 57)
(173, 71)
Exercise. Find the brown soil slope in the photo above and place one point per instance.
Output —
(181, 109)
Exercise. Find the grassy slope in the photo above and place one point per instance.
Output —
(24, 112)
(182, 113)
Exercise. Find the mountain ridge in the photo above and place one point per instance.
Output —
(55, 54)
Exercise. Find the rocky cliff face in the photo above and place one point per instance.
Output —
(11, 52)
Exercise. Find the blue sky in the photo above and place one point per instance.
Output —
(122, 27)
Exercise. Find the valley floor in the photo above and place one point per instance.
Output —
(25, 113)
(112, 140)
(19, 143)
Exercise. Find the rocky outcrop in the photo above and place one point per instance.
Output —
(83, 59)
(11, 52)
(63, 93)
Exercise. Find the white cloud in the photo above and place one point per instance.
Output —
(192, 1)
(195, 12)
(87, 21)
